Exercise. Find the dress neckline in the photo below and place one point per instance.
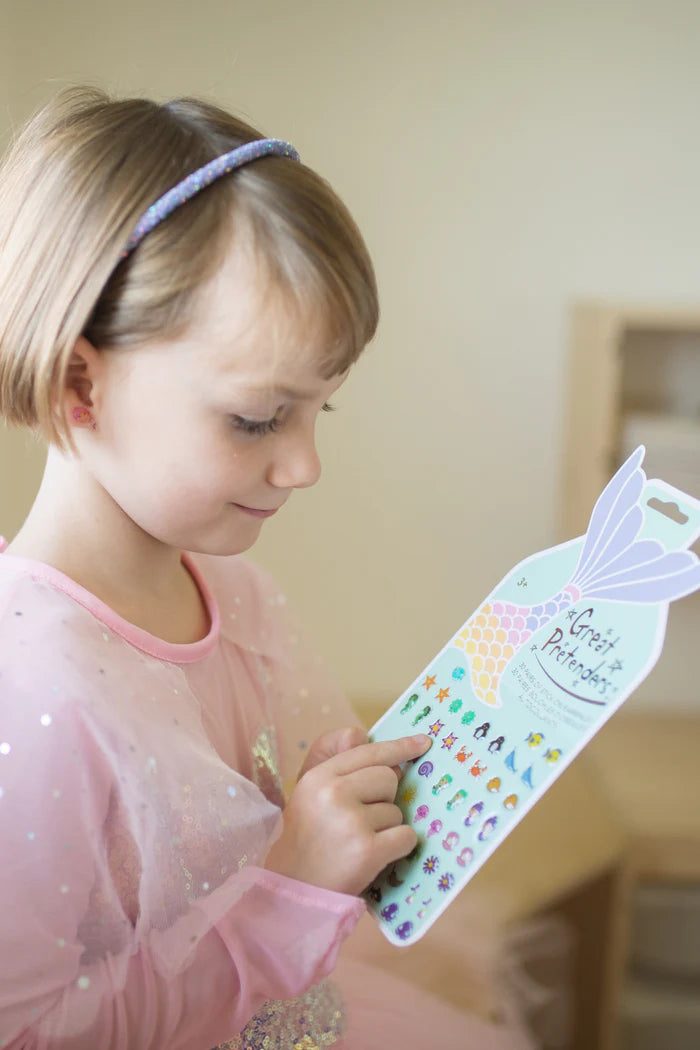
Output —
(171, 652)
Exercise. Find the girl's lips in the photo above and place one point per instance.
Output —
(257, 513)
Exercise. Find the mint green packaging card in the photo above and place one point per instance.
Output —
(522, 687)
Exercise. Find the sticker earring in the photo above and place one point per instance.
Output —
(83, 417)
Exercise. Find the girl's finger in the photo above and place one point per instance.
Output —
(380, 753)
(371, 784)
(394, 843)
(382, 815)
(331, 743)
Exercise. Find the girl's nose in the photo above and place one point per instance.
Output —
(296, 464)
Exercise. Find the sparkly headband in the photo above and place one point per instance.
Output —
(202, 178)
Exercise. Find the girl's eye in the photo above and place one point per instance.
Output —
(266, 426)
(254, 426)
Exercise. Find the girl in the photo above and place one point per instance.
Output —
(179, 298)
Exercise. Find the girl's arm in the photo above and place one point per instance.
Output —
(278, 940)
(258, 935)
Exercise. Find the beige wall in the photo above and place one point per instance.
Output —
(21, 458)
(503, 159)
(5, 73)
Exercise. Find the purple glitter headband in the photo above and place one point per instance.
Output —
(202, 178)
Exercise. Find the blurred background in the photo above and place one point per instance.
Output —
(526, 177)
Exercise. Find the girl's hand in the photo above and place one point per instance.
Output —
(340, 825)
(332, 743)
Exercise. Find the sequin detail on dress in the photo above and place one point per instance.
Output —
(266, 772)
(310, 1022)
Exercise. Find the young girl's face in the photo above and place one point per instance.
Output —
(200, 439)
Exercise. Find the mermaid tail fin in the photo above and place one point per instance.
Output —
(616, 518)
(614, 564)
(669, 577)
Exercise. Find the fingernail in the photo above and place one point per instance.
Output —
(421, 738)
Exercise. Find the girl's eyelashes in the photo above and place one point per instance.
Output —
(255, 426)
(266, 426)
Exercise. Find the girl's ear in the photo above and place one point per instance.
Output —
(84, 373)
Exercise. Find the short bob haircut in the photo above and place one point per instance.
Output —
(73, 185)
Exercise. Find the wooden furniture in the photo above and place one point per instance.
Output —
(627, 362)
(648, 770)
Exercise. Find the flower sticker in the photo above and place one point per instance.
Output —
(430, 865)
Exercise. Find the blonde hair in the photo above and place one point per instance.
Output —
(72, 187)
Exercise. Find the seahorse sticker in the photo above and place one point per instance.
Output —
(413, 698)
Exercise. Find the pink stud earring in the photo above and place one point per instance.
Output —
(83, 417)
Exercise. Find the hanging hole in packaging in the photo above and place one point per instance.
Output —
(669, 510)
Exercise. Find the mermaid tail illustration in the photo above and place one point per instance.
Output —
(614, 565)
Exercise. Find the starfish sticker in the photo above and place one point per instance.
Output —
(443, 694)
(436, 727)
(429, 681)
(448, 741)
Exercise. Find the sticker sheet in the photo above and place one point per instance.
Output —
(526, 682)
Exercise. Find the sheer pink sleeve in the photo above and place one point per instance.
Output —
(305, 698)
(84, 962)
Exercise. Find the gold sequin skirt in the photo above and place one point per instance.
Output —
(310, 1022)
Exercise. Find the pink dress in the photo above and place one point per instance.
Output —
(141, 786)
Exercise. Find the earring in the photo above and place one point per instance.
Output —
(83, 417)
